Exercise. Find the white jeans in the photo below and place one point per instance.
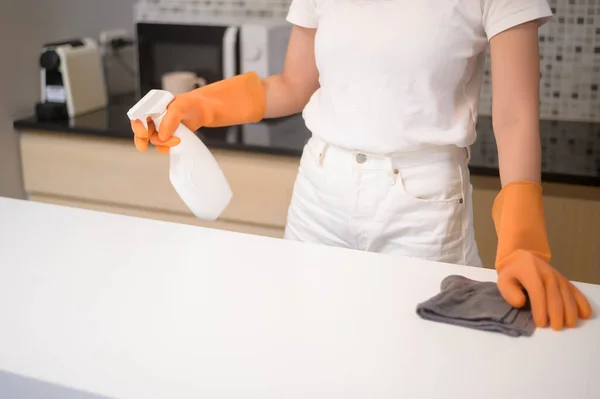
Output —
(415, 204)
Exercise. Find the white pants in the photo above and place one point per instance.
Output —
(415, 204)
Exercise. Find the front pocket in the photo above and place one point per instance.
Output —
(434, 182)
(432, 230)
(423, 212)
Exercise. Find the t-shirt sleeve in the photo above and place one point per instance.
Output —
(501, 15)
(303, 13)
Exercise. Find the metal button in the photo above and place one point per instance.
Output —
(396, 171)
(361, 158)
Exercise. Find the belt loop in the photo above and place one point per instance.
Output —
(393, 170)
(468, 153)
(322, 150)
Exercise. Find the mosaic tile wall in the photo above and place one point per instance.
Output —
(182, 11)
(570, 63)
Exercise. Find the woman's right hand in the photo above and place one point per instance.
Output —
(185, 108)
(142, 137)
(229, 102)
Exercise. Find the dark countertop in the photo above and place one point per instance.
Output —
(571, 150)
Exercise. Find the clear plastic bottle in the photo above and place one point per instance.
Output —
(194, 172)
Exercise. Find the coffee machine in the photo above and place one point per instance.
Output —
(72, 80)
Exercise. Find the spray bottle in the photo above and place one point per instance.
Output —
(194, 172)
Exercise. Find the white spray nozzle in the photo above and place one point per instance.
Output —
(151, 105)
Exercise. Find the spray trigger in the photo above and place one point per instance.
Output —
(154, 105)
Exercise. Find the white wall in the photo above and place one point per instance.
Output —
(25, 25)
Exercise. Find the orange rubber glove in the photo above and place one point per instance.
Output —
(522, 260)
(229, 102)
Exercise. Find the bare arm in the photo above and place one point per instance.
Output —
(515, 68)
(289, 92)
(523, 250)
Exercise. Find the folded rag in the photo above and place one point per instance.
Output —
(478, 305)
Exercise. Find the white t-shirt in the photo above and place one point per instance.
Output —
(400, 75)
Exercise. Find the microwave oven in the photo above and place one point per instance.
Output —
(212, 50)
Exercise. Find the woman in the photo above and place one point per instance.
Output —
(389, 90)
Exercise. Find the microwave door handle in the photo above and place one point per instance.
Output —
(229, 52)
(43, 84)
(230, 69)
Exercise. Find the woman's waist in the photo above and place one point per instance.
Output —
(389, 136)
(369, 158)
(402, 113)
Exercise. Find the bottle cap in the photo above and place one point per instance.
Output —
(153, 104)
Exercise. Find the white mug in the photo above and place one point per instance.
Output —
(181, 82)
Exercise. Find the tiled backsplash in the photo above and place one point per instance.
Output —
(570, 63)
(571, 148)
(187, 10)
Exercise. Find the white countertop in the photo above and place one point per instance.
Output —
(131, 308)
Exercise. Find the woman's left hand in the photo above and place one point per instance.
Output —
(551, 295)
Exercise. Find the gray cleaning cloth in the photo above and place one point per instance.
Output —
(478, 305)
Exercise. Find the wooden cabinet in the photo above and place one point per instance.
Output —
(110, 175)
